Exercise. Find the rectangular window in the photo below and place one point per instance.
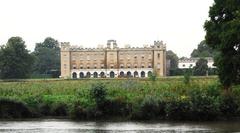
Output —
(158, 55)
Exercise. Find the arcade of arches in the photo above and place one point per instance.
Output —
(112, 74)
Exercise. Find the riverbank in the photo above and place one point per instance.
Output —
(124, 99)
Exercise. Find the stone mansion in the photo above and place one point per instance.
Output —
(112, 61)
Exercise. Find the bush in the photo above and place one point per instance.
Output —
(149, 108)
(153, 76)
(45, 109)
(117, 107)
(14, 109)
(98, 92)
(179, 109)
(229, 106)
(187, 76)
(60, 109)
(205, 107)
(78, 112)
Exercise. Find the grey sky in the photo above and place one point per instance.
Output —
(179, 23)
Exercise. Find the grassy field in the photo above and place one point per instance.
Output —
(127, 98)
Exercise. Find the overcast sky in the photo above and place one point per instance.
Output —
(179, 23)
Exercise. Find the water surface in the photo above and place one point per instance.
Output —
(68, 126)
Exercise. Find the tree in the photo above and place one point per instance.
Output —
(203, 50)
(201, 67)
(16, 62)
(170, 55)
(47, 56)
(223, 35)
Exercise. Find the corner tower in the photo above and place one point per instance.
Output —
(159, 58)
(65, 60)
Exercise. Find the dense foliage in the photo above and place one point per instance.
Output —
(223, 36)
(170, 55)
(203, 50)
(47, 56)
(201, 67)
(166, 98)
(15, 60)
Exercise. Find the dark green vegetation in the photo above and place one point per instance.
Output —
(223, 36)
(164, 98)
(47, 59)
(203, 50)
(201, 67)
(15, 60)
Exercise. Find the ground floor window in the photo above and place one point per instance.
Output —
(74, 75)
(112, 74)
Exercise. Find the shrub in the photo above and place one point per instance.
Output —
(205, 107)
(13, 109)
(116, 107)
(149, 108)
(179, 109)
(153, 76)
(59, 109)
(229, 106)
(187, 75)
(98, 92)
(78, 112)
(45, 109)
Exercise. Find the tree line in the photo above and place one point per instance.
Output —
(16, 62)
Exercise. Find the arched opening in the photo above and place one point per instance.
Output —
(74, 75)
(121, 74)
(135, 74)
(112, 74)
(81, 75)
(129, 74)
(102, 75)
(142, 74)
(95, 74)
(88, 75)
(149, 74)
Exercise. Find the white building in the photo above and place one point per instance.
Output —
(191, 62)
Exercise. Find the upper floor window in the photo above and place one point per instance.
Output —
(74, 67)
(121, 66)
(149, 66)
(158, 55)
(88, 57)
(112, 66)
(102, 66)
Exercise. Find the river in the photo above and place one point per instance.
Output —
(68, 126)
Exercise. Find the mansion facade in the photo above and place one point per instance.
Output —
(112, 61)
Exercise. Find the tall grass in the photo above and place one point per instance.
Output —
(131, 98)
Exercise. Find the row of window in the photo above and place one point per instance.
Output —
(111, 66)
(112, 74)
(189, 65)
